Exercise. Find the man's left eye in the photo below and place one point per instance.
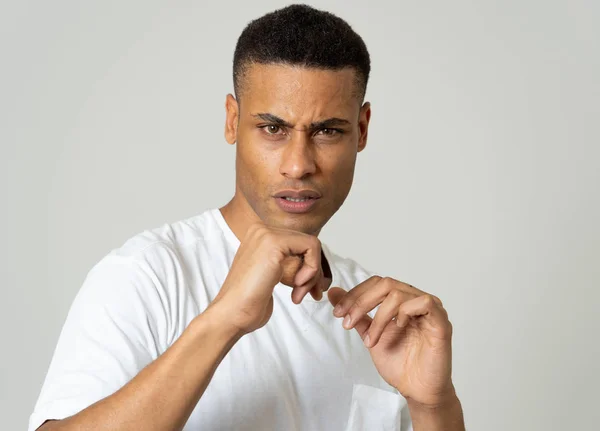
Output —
(328, 132)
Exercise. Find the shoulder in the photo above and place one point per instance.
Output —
(159, 252)
(143, 279)
(150, 260)
(150, 253)
(175, 236)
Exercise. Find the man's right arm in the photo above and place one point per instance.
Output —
(163, 394)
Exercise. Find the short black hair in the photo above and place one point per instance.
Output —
(304, 36)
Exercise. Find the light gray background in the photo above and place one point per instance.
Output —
(480, 182)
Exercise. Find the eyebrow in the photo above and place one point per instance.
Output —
(325, 124)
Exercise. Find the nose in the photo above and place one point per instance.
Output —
(298, 157)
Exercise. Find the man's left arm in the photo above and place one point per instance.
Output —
(445, 417)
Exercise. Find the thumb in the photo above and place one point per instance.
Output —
(335, 294)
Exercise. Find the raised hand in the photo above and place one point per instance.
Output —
(409, 339)
(267, 256)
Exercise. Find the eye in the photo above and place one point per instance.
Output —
(329, 132)
(271, 129)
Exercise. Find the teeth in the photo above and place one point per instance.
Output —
(296, 200)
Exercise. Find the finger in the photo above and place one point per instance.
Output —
(418, 292)
(310, 248)
(314, 286)
(298, 293)
(325, 282)
(434, 316)
(387, 310)
(286, 243)
(345, 302)
(290, 267)
(322, 286)
(316, 293)
(335, 295)
(374, 296)
(363, 325)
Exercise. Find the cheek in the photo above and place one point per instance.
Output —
(339, 177)
(340, 165)
(253, 165)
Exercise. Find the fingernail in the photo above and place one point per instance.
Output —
(367, 340)
(347, 321)
(337, 310)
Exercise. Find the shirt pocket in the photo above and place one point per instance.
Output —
(372, 408)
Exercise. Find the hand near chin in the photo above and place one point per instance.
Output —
(267, 256)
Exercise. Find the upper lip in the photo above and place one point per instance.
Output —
(297, 194)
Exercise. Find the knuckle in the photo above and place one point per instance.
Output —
(359, 303)
(429, 300)
(395, 295)
(268, 237)
(447, 330)
(376, 278)
(342, 303)
(314, 242)
(402, 309)
(387, 280)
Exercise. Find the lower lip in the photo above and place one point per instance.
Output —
(296, 207)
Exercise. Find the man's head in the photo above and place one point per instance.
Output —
(300, 77)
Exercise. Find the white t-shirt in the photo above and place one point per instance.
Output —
(301, 371)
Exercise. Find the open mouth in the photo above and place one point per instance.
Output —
(296, 205)
(297, 199)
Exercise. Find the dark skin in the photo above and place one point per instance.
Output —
(303, 153)
(297, 128)
(409, 339)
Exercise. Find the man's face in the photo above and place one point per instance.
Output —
(298, 131)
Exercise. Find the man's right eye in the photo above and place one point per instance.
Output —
(271, 129)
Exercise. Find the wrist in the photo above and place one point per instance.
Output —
(446, 400)
(213, 321)
(445, 415)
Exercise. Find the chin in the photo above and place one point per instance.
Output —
(306, 223)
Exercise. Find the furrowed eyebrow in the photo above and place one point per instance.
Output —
(274, 119)
(325, 124)
(330, 122)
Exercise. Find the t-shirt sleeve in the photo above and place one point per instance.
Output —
(116, 325)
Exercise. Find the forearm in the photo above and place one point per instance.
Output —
(446, 417)
(163, 395)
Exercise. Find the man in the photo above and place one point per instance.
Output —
(191, 326)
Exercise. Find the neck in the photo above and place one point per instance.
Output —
(239, 216)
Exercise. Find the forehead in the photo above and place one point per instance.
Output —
(298, 91)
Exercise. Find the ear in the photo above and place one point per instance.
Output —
(231, 119)
(363, 125)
